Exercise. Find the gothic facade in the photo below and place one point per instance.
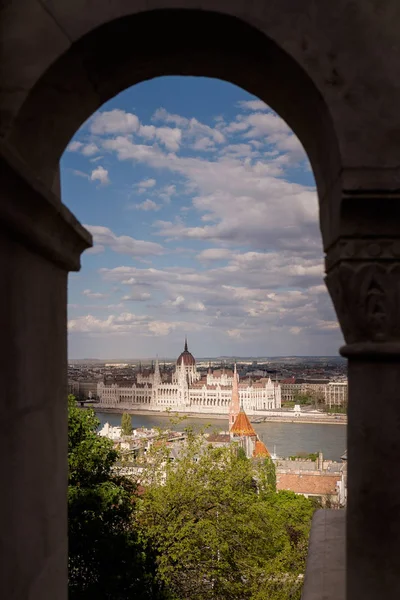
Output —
(188, 391)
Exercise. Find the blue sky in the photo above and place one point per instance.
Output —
(204, 214)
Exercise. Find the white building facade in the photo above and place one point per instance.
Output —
(189, 392)
(336, 393)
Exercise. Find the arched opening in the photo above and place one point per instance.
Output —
(86, 76)
(118, 54)
(194, 199)
(112, 125)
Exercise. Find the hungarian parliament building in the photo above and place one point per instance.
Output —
(187, 390)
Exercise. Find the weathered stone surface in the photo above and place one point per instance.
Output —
(331, 71)
(30, 39)
(325, 577)
(373, 522)
(348, 49)
(35, 217)
(33, 441)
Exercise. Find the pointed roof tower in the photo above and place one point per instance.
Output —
(260, 450)
(242, 425)
(234, 407)
(157, 367)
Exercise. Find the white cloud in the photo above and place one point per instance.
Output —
(118, 121)
(74, 146)
(122, 323)
(114, 121)
(253, 105)
(100, 174)
(182, 305)
(204, 143)
(170, 137)
(136, 297)
(159, 328)
(162, 115)
(147, 205)
(295, 330)
(91, 294)
(166, 192)
(192, 128)
(211, 254)
(80, 174)
(123, 244)
(89, 323)
(246, 202)
(89, 149)
(239, 200)
(234, 333)
(145, 184)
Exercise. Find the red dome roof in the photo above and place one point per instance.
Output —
(188, 358)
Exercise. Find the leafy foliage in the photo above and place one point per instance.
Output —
(219, 528)
(106, 558)
(209, 524)
(303, 455)
(126, 424)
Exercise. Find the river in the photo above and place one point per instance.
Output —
(287, 438)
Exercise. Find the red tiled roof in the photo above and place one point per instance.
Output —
(221, 438)
(242, 425)
(260, 450)
(307, 484)
(220, 372)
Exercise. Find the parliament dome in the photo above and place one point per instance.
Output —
(187, 357)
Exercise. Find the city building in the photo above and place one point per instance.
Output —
(333, 393)
(336, 393)
(186, 390)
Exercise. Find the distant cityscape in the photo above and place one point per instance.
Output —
(205, 385)
(282, 388)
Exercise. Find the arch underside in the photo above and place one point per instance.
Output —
(174, 42)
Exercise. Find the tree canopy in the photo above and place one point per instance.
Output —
(106, 558)
(207, 524)
(126, 424)
(219, 528)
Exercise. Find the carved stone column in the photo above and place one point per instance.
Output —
(363, 278)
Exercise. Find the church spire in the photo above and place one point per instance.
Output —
(157, 374)
(235, 406)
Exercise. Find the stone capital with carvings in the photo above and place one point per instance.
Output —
(363, 279)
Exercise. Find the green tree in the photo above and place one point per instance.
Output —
(126, 424)
(218, 527)
(106, 557)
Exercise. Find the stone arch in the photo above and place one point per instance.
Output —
(331, 71)
(108, 59)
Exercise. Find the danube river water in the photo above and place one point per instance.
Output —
(287, 438)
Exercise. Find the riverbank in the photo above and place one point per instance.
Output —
(282, 438)
(306, 419)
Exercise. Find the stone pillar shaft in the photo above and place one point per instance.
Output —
(373, 510)
(363, 278)
(40, 241)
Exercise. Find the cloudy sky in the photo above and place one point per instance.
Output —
(204, 214)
